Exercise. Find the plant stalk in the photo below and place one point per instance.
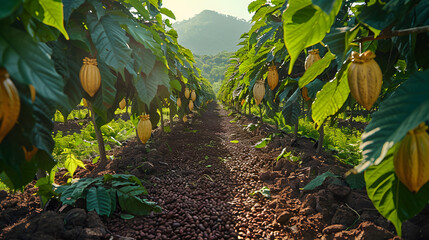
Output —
(102, 150)
(320, 141)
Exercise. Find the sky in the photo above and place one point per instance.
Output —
(185, 9)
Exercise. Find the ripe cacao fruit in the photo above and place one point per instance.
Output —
(179, 102)
(85, 104)
(242, 102)
(90, 77)
(185, 119)
(29, 154)
(33, 92)
(304, 93)
(193, 96)
(365, 78)
(411, 159)
(313, 56)
(144, 128)
(191, 105)
(122, 104)
(10, 105)
(273, 77)
(187, 93)
(259, 91)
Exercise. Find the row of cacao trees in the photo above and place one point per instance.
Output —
(284, 32)
(43, 44)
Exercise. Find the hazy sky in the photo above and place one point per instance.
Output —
(184, 9)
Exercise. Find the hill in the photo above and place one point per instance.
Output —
(213, 67)
(210, 32)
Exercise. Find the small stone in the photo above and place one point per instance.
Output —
(176, 224)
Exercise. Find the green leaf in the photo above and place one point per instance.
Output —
(175, 84)
(111, 42)
(356, 181)
(142, 35)
(50, 12)
(234, 141)
(75, 191)
(147, 86)
(105, 97)
(263, 143)
(137, 4)
(71, 163)
(7, 7)
(126, 216)
(316, 69)
(283, 154)
(135, 205)
(70, 6)
(401, 112)
(391, 198)
(331, 98)
(305, 25)
(325, 5)
(27, 64)
(98, 199)
(167, 12)
(319, 180)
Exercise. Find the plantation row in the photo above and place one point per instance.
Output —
(53, 54)
(335, 57)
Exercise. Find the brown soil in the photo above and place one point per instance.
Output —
(203, 183)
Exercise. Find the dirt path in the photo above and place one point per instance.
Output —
(203, 182)
(204, 185)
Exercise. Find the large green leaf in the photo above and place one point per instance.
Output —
(292, 108)
(135, 205)
(381, 14)
(70, 6)
(147, 86)
(71, 193)
(111, 41)
(98, 199)
(50, 12)
(304, 25)
(7, 7)
(27, 64)
(316, 69)
(331, 98)
(391, 198)
(404, 110)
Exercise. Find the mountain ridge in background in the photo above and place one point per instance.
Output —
(210, 32)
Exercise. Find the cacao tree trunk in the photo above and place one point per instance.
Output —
(102, 150)
(162, 118)
(171, 116)
(320, 141)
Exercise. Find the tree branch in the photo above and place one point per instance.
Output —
(397, 33)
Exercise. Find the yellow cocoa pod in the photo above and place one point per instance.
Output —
(179, 102)
(273, 77)
(313, 56)
(187, 93)
(122, 104)
(304, 94)
(259, 91)
(144, 128)
(33, 92)
(411, 159)
(29, 154)
(90, 77)
(365, 78)
(10, 105)
(193, 96)
(242, 102)
(185, 119)
(191, 105)
(85, 104)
